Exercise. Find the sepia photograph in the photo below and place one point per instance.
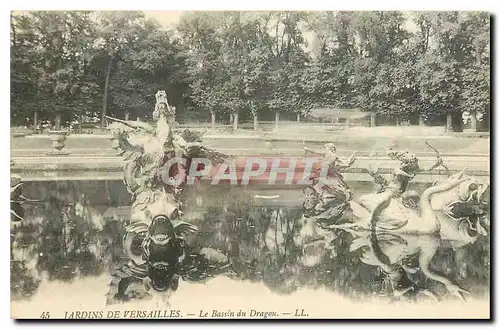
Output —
(196, 165)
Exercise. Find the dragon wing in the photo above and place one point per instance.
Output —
(194, 150)
(121, 142)
(137, 227)
(131, 153)
(183, 228)
(134, 124)
(358, 242)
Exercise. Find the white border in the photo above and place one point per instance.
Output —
(429, 5)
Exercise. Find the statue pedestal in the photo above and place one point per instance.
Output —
(58, 138)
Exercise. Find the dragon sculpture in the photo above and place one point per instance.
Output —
(154, 242)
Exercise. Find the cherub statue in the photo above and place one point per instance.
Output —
(401, 176)
(330, 156)
(334, 165)
(439, 160)
(328, 197)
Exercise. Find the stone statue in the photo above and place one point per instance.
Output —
(328, 197)
(155, 187)
(146, 149)
(163, 108)
(453, 208)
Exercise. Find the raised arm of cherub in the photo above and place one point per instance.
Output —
(349, 162)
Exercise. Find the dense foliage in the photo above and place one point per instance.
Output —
(251, 64)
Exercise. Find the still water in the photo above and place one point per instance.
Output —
(75, 233)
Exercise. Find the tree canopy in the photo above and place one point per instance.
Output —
(253, 64)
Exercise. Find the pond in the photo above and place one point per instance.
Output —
(73, 234)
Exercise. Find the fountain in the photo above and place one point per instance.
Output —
(316, 234)
(156, 219)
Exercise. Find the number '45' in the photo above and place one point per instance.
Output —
(45, 315)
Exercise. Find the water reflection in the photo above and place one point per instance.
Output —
(77, 230)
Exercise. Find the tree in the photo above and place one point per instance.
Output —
(147, 65)
(439, 85)
(59, 48)
(287, 62)
(65, 64)
(23, 69)
(202, 46)
(117, 31)
(453, 66)
(331, 72)
(476, 72)
(381, 46)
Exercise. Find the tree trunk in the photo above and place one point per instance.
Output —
(105, 96)
(58, 121)
(276, 119)
(473, 118)
(35, 120)
(235, 122)
(372, 119)
(473, 121)
(484, 125)
(212, 113)
(478, 52)
(449, 127)
(80, 121)
(255, 122)
(421, 121)
(298, 117)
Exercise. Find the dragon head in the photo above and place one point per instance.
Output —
(162, 250)
(162, 107)
(161, 97)
(156, 246)
(159, 246)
